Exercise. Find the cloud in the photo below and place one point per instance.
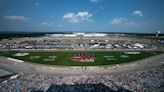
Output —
(71, 17)
(130, 23)
(138, 13)
(122, 21)
(93, 1)
(79, 17)
(84, 14)
(118, 21)
(15, 17)
(47, 23)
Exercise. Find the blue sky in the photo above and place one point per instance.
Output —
(82, 15)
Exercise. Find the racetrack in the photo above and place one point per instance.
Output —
(26, 67)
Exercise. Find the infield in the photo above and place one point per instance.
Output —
(67, 58)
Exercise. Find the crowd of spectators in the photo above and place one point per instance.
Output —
(69, 44)
(150, 80)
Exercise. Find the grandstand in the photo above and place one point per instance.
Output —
(78, 34)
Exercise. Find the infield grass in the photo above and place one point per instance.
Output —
(64, 58)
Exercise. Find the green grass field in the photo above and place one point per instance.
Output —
(64, 58)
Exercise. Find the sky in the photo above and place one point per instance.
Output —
(141, 16)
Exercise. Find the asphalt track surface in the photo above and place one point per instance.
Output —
(27, 67)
